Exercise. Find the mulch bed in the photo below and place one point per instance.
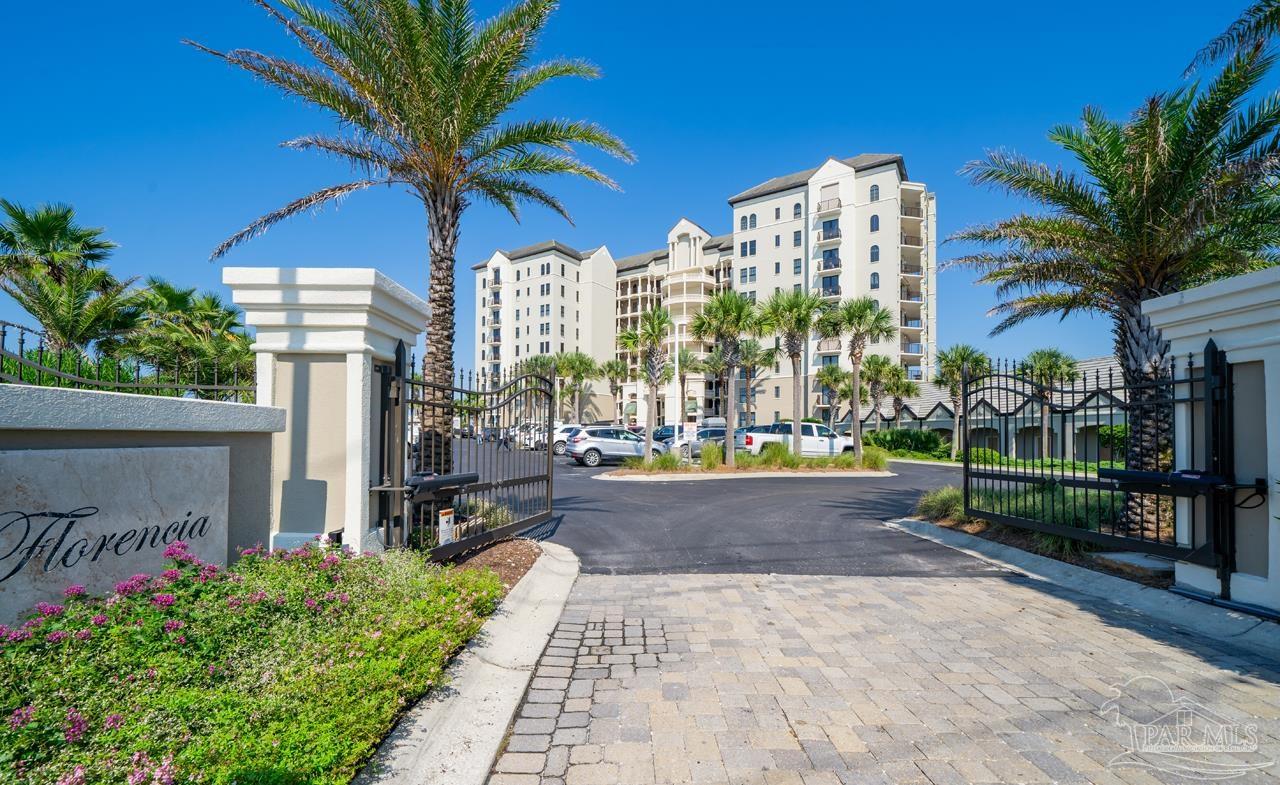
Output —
(1025, 540)
(510, 559)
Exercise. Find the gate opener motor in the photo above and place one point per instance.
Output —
(1185, 483)
(439, 489)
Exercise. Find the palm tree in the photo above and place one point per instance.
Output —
(576, 369)
(713, 364)
(1045, 368)
(753, 357)
(1182, 193)
(616, 372)
(830, 378)
(1255, 28)
(421, 91)
(689, 363)
(953, 364)
(864, 320)
(648, 340)
(725, 318)
(899, 388)
(857, 397)
(46, 239)
(85, 307)
(876, 370)
(793, 317)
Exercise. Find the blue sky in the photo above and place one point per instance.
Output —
(172, 151)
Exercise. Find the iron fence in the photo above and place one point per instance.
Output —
(28, 357)
(464, 462)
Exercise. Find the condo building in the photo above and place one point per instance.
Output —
(849, 228)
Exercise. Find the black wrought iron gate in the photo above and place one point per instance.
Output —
(465, 463)
(1144, 466)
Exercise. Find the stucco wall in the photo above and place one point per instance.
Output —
(42, 418)
(310, 458)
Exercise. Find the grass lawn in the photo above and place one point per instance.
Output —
(287, 668)
(772, 457)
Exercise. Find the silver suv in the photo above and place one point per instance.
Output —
(596, 444)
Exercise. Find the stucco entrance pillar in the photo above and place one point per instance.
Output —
(320, 334)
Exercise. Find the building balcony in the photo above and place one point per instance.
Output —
(912, 324)
(912, 212)
(497, 299)
(495, 338)
(913, 240)
(912, 348)
(912, 269)
(830, 263)
(829, 346)
(496, 283)
(914, 372)
(828, 206)
(827, 236)
(911, 297)
(830, 291)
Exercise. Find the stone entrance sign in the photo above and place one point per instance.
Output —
(95, 517)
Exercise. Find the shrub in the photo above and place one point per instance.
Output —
(776, 453)
(845, 460)
(874, 458)
(668, 461)
(946, 503)
(1114, 438)
(985, 456)
(712, 455)
(913, 441)
(288, 667)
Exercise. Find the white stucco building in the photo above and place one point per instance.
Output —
(848, 228)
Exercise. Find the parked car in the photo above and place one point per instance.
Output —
(816, 439)
(592, 446)
(662, 433)
(692, 448)
(559, 438)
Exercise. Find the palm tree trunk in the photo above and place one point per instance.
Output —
(651, 413)
(1044, 429)
(444, 210)
(577, 404)
(957, 426)
(730, 418)
(1144, 359)
(797, 400)
(855, 424)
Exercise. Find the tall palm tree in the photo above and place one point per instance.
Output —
(899, 388)
(576, 368)
(953, 364)
(85, 307)
(864, 321)
(422, 93)
(793, 317)
(648, 340)
(725, 318)
(1047, 370)
(713, 364)
(1255, 28)
(47, 239)
(616, 372)
(829, 379)
(754, 356)
(876, 370)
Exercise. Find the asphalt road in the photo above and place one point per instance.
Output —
(797, 525)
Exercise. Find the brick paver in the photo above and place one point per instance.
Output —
(802, 680)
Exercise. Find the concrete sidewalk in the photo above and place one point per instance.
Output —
(985, 678)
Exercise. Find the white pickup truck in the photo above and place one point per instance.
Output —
(816, 439)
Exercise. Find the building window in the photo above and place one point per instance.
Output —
(777, 213)
(875, 253)
(752, 222)
(875, 193)
(777, 391)
(777, 268)
(830, 359)
(752, 245)
(796, 239)
(562, 271)
(795, 211)
(795, 288)
(777, 241)
(742, 224)
(795, 266)
(875, 223)
(752, 278)
(743, 275)
(743, 250)
(875, 280)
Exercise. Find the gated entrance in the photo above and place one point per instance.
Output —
(465, 463)
(1135, 466)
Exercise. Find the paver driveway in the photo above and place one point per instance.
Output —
(973, 676)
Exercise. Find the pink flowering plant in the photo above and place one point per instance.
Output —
(288, 667)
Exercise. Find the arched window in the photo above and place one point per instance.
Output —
(742, 223)
(795, 211)
(752, 225)
(875, 280)
(875, 253)
(875, 193)
(875, 223)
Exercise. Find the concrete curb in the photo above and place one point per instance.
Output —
(452, 736)
(918, 462)
(693, 477)
(1249, 632)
